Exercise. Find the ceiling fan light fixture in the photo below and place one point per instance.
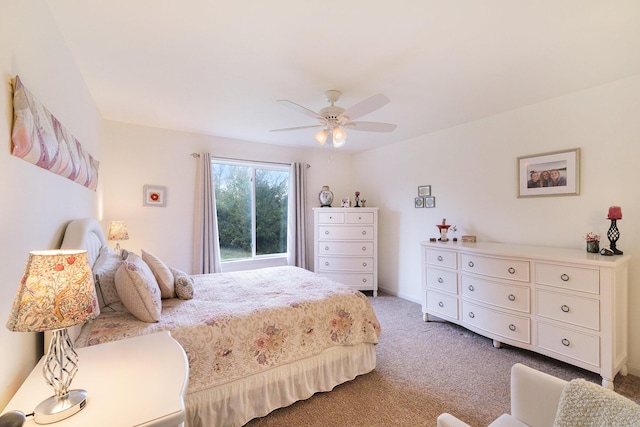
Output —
(321, 136)
(339, 137)
(334, 119)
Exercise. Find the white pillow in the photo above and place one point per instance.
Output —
(162, 274)
(104, 271)
(138, 289)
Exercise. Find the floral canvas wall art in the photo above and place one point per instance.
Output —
(39, 138)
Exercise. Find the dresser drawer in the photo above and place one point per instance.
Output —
(574, 344)
(511, 297)
(331, 217)
(359, 218)
(440, 258)
(346, 263)
(577, 310)
(568, 277)
(328, 247)
(442, 304)
(501, 268)
(345, 233)
(361, 281)
(444, 280)
(509, 326)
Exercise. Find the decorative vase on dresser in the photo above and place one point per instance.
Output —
(346, 246)
(564, 303)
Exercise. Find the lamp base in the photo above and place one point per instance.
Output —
(55, 409)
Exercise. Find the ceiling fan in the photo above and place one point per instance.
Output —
(334, 119)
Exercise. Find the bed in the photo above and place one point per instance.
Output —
(256, 340)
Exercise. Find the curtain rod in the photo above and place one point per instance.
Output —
(196, 155)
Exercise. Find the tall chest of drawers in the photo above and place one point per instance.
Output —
(346, 246)
(564, 303)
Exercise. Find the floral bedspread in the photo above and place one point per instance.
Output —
(242, 323)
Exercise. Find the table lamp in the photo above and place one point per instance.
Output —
(117, 231)
(56, 292)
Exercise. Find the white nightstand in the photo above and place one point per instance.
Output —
(138, 381)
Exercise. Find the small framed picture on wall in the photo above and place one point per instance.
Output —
(430, 202)
(419, 202)
(154, 195)
(424, 190)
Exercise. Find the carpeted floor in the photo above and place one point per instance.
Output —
(424, 369)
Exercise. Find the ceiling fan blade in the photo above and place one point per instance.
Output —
(371, 126)
(296, 128)
(365, 107)
(299, 108)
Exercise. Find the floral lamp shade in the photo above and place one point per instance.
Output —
(56, 291)
(118, 231)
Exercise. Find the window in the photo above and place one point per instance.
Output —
(252, 208)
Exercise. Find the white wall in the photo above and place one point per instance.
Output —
(138, 155)
(36, 204)
(472, 171)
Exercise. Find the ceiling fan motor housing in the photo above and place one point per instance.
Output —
(331, 113)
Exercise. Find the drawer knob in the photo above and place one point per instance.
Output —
(440, 258)
(364, 280)
(326, 248)
(364, 264)
(364, 248)
(566, 342)
(511, 297)
(441, 304)
(565, 308)
(471, 288)
(326, 232)
(511, 270)
(512, 327)
(564, 277)
(364, 233)
(440, 280)
(326, 263)
(471, 264)
(471, 315)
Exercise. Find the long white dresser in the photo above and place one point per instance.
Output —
(346, 246)
(564, 303)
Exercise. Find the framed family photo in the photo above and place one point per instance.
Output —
(549, 174)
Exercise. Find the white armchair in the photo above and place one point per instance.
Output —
(542, 400)
(534, 400)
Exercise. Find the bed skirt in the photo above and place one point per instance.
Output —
(238, 402)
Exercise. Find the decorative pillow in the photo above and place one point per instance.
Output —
(183, 284)
(138, 289)
(162, 274)
(104, 271)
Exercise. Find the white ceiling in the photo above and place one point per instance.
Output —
(217, 67)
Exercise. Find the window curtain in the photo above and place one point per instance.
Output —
(297, 235)
(206, 244)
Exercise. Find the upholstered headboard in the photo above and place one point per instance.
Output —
(84, 233)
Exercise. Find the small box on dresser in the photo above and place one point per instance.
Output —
(346, 246)
(564, 303)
